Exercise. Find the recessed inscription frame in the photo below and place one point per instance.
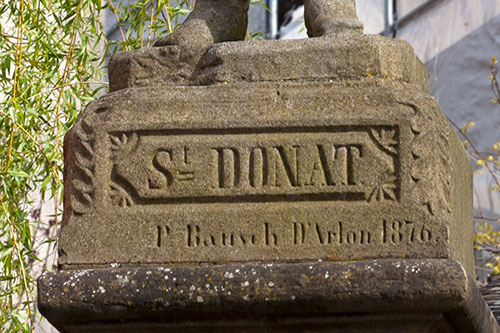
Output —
(125, 155)
(336, 163)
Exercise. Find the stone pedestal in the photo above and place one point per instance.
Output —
(285, 185)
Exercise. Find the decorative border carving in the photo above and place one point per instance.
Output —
(386, 138)
(384, 192)
(388, 141)
(120, 197)
(430, 170)
(122, 144)
(83, 168)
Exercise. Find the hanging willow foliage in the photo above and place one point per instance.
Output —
(51, 54)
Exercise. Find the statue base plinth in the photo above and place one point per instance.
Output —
(381, 295)
(328, 58)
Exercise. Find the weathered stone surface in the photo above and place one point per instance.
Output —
(152, 66)
(343, 57)
(375, 296)
(228, 185)
(263, 172)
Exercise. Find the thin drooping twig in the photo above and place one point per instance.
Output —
(48, 91)
(21, 261)
(113, 9)
(151, 22)
(476, 151)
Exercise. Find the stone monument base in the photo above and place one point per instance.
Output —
(433, 295)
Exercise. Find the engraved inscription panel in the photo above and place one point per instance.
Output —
(362, 174)
(307, 164)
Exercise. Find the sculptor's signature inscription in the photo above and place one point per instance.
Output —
(267, 235)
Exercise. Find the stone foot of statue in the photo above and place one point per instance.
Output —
(329, 17)
(211, 21)
(214, 21)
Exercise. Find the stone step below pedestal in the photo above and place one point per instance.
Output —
(433, 295)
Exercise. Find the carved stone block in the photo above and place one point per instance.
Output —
(347, 57)
(265, 171)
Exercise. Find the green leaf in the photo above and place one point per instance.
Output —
(496, 270)
(17, 173)
(5, 253)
